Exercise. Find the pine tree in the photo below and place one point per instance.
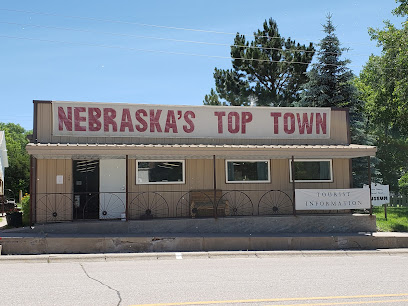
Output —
(330, 84)
(330, 81)
(269, 69)
(212, 99)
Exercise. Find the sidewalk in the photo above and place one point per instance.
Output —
(48, 243)
(164, 236)
(56, 258)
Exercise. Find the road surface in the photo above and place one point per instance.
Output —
(335, 279)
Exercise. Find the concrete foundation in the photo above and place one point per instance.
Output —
(85, 245)
(305, 232)
(339, 223)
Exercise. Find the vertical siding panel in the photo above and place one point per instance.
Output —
(68, 187)
(41, 190)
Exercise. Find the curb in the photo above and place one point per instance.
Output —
(108, 257)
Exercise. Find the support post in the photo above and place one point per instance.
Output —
(127, 188)
(385, 212)
(293, 185)
(215, 188)
(369, 183)
(33, 187)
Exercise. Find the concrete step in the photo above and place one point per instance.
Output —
(23, 243)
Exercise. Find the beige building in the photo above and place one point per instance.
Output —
(135, 161)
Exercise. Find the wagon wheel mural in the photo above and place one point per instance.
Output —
(235, 203)
(194, 203)
(275, 202)
(111, 206)
(54, 208)
(148, 205)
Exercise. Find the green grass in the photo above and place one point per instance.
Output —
(397, 219)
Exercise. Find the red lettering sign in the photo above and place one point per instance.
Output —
(94, 114)
(126, 122)
(306, 123)
(187, 117)
(78, 118)
(321, 123)
(109, 115)
(275, 117)
(154, 120)
(64, 119)
(289, 128)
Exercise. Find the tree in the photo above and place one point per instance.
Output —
(384, 85)
(330, 84)
(270, 69)
(212, 99)
(330, 81)
(17, 175)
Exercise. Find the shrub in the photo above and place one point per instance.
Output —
(25, 204)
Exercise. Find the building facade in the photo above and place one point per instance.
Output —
(135, 161)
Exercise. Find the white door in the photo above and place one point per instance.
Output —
(112, 188)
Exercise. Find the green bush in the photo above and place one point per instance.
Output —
(25, 205)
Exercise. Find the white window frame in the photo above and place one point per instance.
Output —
(312, 160)
(248, 161)
(183, 181)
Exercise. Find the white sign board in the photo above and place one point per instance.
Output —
(60, 179)
(82, 119)
(332, 199)
(380, 194)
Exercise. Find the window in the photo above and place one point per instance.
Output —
(247, 171)
(160, 172)
(311, 170)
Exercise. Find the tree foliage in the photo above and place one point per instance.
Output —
(270, 69)
(212, 99)
(330, 84)
(17, 175)
(383, 83)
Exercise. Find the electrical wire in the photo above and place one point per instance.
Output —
(158, 51)
(171, 39)
(152, 25)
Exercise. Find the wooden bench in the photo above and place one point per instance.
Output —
(201, 203)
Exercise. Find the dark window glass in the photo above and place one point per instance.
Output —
(159, 172)
(312, 171)
(247, 171)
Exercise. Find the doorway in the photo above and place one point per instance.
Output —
(86, 189)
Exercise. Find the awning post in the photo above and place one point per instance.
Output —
(369, 183)
(293, 185)
(215, 188)
(127, 188)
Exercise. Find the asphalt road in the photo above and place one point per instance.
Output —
(336, 279)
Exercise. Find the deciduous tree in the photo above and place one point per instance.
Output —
(17, 175)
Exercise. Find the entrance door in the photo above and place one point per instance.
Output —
(86, 189)
(112, 197)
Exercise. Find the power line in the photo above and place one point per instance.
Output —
(142, 50)
(151, 25)
(170, 52)
(170, 39)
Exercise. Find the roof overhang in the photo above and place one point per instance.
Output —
(196, 151)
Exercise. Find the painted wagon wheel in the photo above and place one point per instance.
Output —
(54, 207)
(236, 203)
(111, 206)
(149, 205)
(275, 202)
(184, 206)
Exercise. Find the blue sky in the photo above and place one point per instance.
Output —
(93, 50)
